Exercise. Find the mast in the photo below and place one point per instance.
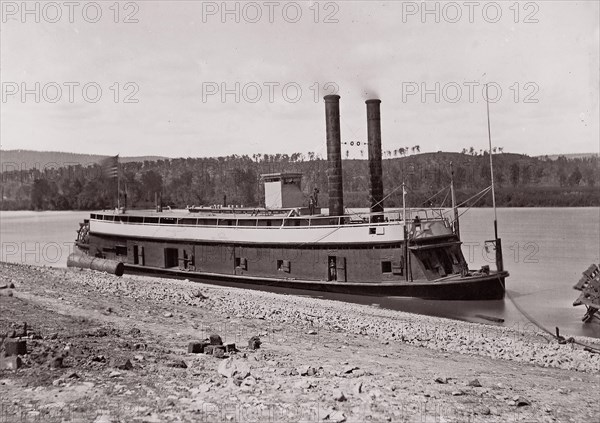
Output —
(454, 208)
(499, 260)
(404, 203)
(406, 255)
(118, 186)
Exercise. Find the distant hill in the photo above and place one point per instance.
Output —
(520, 180)
(29, 159)
(569, 156)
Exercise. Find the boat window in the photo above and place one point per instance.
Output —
(92, 216)
(150, 219)
(136, 219)
(109, 218)
(284, 266)
(386, 267)
(187, 221)
(241, 262)
(168, 220)
(121, 219)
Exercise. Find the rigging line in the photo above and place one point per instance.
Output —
(445, 198)
(541, 327)
(435, 195)
(480, 193)
(475, 202)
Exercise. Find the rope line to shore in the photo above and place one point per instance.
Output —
(556, 336)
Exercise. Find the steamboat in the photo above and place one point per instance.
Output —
(410, 252)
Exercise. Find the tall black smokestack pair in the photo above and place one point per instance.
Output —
(334, 157)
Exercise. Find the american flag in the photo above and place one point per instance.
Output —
(110, 167)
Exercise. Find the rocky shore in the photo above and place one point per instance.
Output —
(103, 348)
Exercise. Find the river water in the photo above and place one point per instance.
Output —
(545, 251)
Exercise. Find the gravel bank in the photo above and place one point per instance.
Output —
(450, 336)
(107, 349)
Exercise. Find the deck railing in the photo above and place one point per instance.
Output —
(274, 221)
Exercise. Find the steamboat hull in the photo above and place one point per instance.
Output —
(474, 288)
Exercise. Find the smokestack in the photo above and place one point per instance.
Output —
(334, 155)
(375, 170)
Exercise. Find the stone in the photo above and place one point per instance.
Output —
(457, 393)
(215, 339)
(312, 332)
(178, 364)
(205, 387)
(442, 380)
(232, 368)
(306, 371)
(483, 410)
(197, 347)
(56, 362)
(521, 402)
(249, 381)
(10, 363)
(254, 343)
(15, 347)
(114, 374)
(216, 350)
(349, 369)
(121, 364)
(167, 314)
(3, 286)
(199, 294)
(336, 416)
(338, 395)
(358, 388)
(475, 383)
(304, 384)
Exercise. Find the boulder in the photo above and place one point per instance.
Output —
(10, 363)
(338, 395)
(215, 339)
(15, 347)
(216, 350)
(121, 363)
(197, 347)
(254, 343)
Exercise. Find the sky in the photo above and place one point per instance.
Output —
(202, 78)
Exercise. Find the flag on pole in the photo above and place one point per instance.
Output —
(110, 167)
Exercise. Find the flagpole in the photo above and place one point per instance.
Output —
(497, 241)
(487, 102)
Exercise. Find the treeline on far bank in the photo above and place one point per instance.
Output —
(521, 181)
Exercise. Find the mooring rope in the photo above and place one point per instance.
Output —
(557, 336)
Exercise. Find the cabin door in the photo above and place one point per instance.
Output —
(336, 269)
(171, 257)
(331, 268)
